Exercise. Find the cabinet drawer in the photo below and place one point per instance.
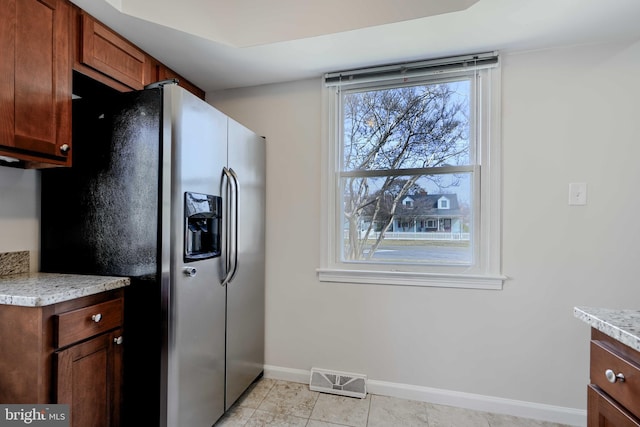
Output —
(80, 324)
(624, 392)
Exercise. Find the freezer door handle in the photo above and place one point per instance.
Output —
(231, 224)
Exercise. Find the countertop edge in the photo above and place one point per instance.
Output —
(607, 326)
(42, 289)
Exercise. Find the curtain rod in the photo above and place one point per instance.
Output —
(413, 69)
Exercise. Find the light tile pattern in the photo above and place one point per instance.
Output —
(279, 403)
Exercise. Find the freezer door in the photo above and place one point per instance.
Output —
(193, 298)
(245, 292)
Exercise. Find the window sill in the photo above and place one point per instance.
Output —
(491, 282)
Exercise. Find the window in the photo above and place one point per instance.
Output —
(443, 203)
(412, 174)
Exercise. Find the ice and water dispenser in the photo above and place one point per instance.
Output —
(203, 226)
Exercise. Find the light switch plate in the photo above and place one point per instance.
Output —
(578, 193)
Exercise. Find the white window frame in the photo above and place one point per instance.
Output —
(485, 273)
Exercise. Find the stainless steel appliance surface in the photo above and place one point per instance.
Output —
(169, 191)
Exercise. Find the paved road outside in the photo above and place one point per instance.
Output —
(427, 253)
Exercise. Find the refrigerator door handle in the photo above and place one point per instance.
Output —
(236, 184)
(231, 252)
(228, 226)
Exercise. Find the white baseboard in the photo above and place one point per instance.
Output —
(518, 408)
(287, 374)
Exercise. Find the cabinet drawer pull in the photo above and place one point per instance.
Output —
(118, 340)
(96, 317)
(612, 377)
(64, 148)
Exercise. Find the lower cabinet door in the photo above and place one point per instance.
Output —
(602, 411)
(88, 378)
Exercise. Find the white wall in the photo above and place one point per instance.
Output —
(20, 212)
(569, 115)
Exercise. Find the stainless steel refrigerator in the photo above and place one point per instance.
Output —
(169, 191)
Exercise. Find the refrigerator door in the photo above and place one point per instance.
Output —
(245, 291)
(194, 301)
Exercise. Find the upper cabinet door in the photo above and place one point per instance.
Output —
(107, 52)
(35, 88)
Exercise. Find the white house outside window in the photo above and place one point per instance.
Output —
(412, 174)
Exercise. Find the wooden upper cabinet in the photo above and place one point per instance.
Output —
(165, 73)
(35, 87)
(105, 56)
(105, 51)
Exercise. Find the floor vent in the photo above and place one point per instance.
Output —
(334, 382)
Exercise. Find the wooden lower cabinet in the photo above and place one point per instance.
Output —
(602, 411)
(70, 353)
(614, 392)
(88, 377)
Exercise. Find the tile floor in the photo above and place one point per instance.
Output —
(280, 403)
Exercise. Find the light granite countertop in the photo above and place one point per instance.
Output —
(622, 325)
(40, 289)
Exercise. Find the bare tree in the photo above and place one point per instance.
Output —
(393, 129)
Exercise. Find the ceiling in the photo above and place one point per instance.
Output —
(223, 44)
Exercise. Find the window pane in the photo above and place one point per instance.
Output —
(407, 127)
(424, 219)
